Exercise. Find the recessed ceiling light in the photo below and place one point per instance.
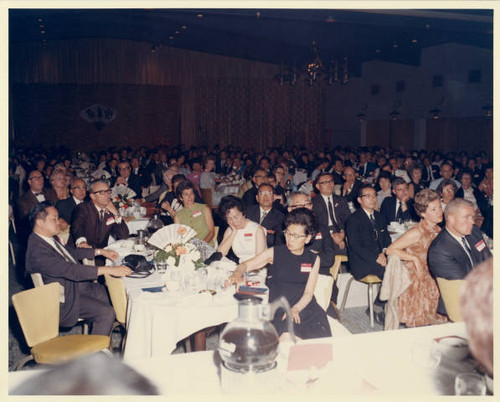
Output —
(40, 20)
(177, 32)
(42, 32)
(377, 51)
(330, 19)
(200, 15)
(414, 41)
(42, 26)
(427, 26)
(184, 27)
(394, 45)
(170, 37)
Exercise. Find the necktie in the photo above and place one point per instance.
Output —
(67, 256)
(330, 213)
(262, 217)
(469, 251)
(374, 226)
(399, 214)
(101, 215)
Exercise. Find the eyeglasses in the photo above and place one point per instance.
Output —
(102, 192)
(368, 195)
(294, 235)
(79, 188)
(307, 204)
(266, 192)
(35, 178)
(326, 182)
(260, 177)
(125, 168)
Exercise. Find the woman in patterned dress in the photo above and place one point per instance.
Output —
(418, 304)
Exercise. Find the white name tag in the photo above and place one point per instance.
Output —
(248, 236)
(110, 220)
(196, 214)
(480, 246)
(305, 267)
(319, 236)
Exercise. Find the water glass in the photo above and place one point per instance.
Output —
(425, 353)
(161, 267)
(470, 384)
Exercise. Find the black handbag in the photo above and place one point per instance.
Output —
(139, 265)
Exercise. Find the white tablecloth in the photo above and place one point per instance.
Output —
(157, 321)
(370, 363)
(137, 224)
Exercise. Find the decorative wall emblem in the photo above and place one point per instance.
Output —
(98, 115)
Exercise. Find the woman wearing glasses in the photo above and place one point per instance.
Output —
(294, 272)
(245, 237)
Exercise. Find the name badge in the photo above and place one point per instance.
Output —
(196, 214)
(305, 267)
(270, 231)
(319, 236)
(480, 246)
(247, 236)
(110, 220)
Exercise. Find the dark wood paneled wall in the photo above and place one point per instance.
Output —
(170, 95)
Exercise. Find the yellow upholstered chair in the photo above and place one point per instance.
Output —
(216, 233)
(38, 281)
(118, 297)
(38, 313)
(450, 292)
(334, 270)
(370, 280)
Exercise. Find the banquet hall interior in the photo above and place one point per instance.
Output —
(273, 82)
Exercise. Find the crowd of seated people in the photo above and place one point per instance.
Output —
(183, 185)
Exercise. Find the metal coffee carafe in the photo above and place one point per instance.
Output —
(250, 343)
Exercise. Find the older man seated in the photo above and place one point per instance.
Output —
(81, 297)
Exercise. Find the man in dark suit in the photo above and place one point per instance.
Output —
(365, 167)
(267, 216)
(351, 186)
(331, 209)
(368, 237)
(459, 247)
(126, 179)
(95, 220)
(80, 297)
(399, 207)
(66, 207)
(259, 177)
(36, 193)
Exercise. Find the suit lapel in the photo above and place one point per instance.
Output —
(458, 250)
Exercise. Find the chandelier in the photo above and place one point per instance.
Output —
(314, 71)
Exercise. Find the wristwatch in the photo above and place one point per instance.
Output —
(384, 250)
(98, 252)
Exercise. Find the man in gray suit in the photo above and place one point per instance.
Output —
(81, 297)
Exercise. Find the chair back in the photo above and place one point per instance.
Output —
(87, 261)
(64, 235)
(37, 279)
(206, 194)
(216, 233)
(450, 292)
(38, 312)
(334, 270)
(118, 297)
(323, 290)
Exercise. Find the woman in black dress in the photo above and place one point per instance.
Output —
(294, 270)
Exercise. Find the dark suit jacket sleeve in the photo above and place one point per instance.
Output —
(447, 259)
(385, 210)
(325, 248)
(80, 219)
(42, 258)
(342, 211)
(359, 238)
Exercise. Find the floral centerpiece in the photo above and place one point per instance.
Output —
(122, 197)
(173, 242)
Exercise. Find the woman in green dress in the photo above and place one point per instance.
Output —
(198, 216)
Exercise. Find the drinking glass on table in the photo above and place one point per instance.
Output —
(425, 353)
(469, 384)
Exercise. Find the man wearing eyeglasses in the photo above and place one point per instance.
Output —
(66, 207)
(267, 216)
(124, 178)
(36, 193)
(259, 177)
(95, 220)
(368, 237)
(331, 209)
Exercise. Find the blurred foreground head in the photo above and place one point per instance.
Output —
(96, 374)
(476, 303)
